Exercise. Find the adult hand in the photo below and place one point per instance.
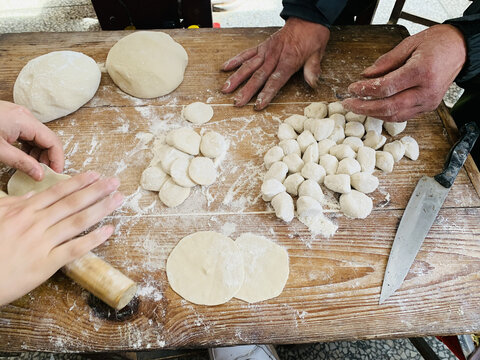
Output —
(412, 78)
(37, 232)
(270, 64)
(18, 124)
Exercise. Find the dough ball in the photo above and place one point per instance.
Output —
(147, 64)
(266, 268)
(56, 84)
(339, 119)
(324, 146)
(366, 159)
(290, 146)
(278, 170)
(348, 166)
(179, 173)
(317, 110)
(308, 206)
(292, 182)
(396, 148)
(283, 205)
(312, 189)
(313, 171)
(329, 163)
(356, 205)
(323, 128)
(296, 122)
(342, 151)
(336, 108)
(198, 113)
(153, 178)
(411, 147)
(308, 124)
(311, 154)
(374, 140)
(206, 268)
(213, 145)
(384, 161)
(354, 142)
(294, 162)
(272, 155)
(305, 139)
(394, 128)
(166, 155)
(354, 128)
(286, 132)
(350, 116)
(364, 182)
(270, 188)
(172, 194)
(184, 139)
(373, 124)
(339, 183)
(338, 134)
(20, 183)
(202, 171)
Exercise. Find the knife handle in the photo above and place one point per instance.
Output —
(458, 154)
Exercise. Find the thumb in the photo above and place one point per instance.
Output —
(312, 69)
(16, 158)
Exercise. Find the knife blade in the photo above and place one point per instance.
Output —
(421, 211)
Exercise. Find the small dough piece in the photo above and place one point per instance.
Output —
(272, 155)
(336, 108)
(324, 146)
(329, 163)
(286, 132)
(317, 110)
(384, 161)
(179, 173)
(396, 148)
(314, 172)
(290, 146)
(411, 147)
(278, 170)
(308, 206)
(283, 205)
(167, 155)
(354, 142)
(296, 122)
(373, 124)
(202, 171)
(323, 128)
(364, 182)
(308, 124)
(294, 163)
(172, 194)
(374, 140)
(356, 205)
(312, 189)
(311, 154)
(305, 139)
(20, 183)
(184, 139)
(213, 145)
(342, 151)
(266, 268)
(206, 268)
(348, 166)
(339, 120)
(354, 128)
(351, 116)
(270, 188)
(153, 178)
(339, 183)
(394, 128)
(338, 134)
(198, 113)
(366, 159)
(292, 182)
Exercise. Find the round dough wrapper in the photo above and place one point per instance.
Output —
(184, 139)
(198, 113)
(179, 173)
(56, 84)
(147, 64)
(20, 183)
(206, 268)
(266, 268)
(153, 178)
(213, 145)
(202, 171)
(172, 194)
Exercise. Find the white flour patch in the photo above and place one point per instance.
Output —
(229, 228)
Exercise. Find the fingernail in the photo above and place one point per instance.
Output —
(226, 85)
(258, 103)
(225, 64)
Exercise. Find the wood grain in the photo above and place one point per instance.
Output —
(334, 284)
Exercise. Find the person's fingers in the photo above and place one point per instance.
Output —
(243, 73)
(16, 158)
(44, 158)
(312, 69)
(83, 220)
(34, 153)
(239, 59)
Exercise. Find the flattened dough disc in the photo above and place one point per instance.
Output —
(20, 183)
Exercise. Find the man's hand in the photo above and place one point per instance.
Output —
(38, 232)
(41, 144)
(412, 78)
(270, 64)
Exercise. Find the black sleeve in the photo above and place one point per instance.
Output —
(318, 11)
(469, 25)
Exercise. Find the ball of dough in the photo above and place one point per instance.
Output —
(384, 161)
(184, 139)
(270, 188)
(147, 64)
(354, 128)
(336, 108)
(292, 182)
(323, 128)
(272, 155)
(351, 116)
(373, 124)
(313, 171)
(179, 173)
(283, 205)
(394, 128)
(290, 146)
(348, 166)
(342, 151)
(338, 134)
(354, 142)
(339, 183)
(305, 139)
(213, 145)
(286, 132)
(317, 110)
(339, 119)
(296, 121)
(311, 154)
(308, 206)
(56, 84)
(294, 162)
(329, 163)
(366, 159)
(356, 205)
(202, 171)
(396, 148)
(324, 146)
(308, 124)
(364, 182)
(278, 170)
(374, 140)
(312, 189)
(198, 113)
(411, 147)
(153, 178)
(172, 194)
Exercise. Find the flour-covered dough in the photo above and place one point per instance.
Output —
(153, 178)
(198, 113)
(184, 139)
(179, 173)
(213, 145)
(172, 194)
(20, 183)
(202, 171)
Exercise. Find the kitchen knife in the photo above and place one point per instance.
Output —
(421, 211)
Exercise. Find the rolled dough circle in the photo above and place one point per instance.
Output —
(147, 64)
(56, 84)
(206, 268)
(20, 183)
(202, 171)
(198, 113)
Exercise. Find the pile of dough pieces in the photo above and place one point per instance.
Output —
(340, 152)
(209, 268)
(184, 161)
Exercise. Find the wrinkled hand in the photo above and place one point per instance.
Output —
(37, 232)
(39, 142)
(270, 64)
(412, 78)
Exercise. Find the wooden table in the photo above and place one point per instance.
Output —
(334, 285)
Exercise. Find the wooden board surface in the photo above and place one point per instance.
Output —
(334, 284)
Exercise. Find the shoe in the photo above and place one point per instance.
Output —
(244, 352)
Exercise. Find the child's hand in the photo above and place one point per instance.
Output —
(38, 231)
